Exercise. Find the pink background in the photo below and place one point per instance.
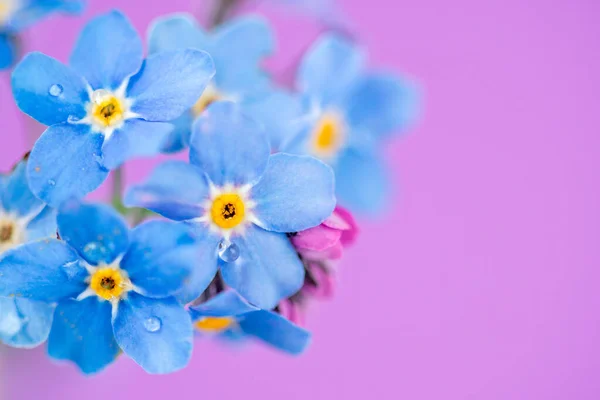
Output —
(481, 281)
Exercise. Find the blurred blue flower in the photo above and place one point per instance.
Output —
(242, 200)
(237, 47)
(114, 288)
(23, 218)
(109, 106)
(229, 314)
(16, 15)
(349, 112)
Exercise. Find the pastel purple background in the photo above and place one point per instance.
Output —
(481, 282)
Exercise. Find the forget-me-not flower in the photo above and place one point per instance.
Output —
(114, 288)
(110, 105)
(23, 219)
(242, 200)
(237, 47)
(229, 313)
(16, 15)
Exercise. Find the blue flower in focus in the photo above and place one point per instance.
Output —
(237, 47)
(229, 314)
(114, 288)
(23, 219)
(16, 15)
(109, 106)
(349, 114)
(242, 200)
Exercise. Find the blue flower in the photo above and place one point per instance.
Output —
(229, 314)
(349, 114)
(237, 47)
(15, 15)
(109, 106)
(114, 288)
(242, 200)
(23, 218)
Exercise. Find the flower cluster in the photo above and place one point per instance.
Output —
(236, 241)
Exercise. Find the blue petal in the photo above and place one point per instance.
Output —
(175, 190)
(228, 146)
(294, 194)
(381, 104)
(47, 270)
(108, 51)
(34, 321)
(361, 181)
(43, 226)
(64, 164)
(225, 304)
(175, 32)
(267, 270)
(32, 11)
(17, 197)
(179, 138)
(161, 256)
(275, 330)
(329, 67)
(155, 333)
(47, 90)
(96, 231)
(137, 138)
(8, 51)
(82, 333)
(169, 83)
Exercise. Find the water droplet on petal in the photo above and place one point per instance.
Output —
(228, 252)
(152, 324)
(71, 269)
(72, 119)
(51, 182)
(99, 95)
(55, 90)
(95, 251)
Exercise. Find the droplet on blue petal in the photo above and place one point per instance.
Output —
(51, 182)
(99, 95)
(152, 324)
(71, 269)
(228, 252)
(72, 119)
(55, 90)
(95, 251)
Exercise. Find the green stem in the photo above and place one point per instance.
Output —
(117, 191)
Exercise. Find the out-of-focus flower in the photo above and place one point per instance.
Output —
(229, 314)
(110, 105)
(349, 113)
(114, 288)
(23, 218)
(16, 15)
(237, 47)
(242, 200)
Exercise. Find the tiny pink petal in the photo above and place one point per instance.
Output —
(318, 238)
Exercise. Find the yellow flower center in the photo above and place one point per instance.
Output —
(228, 210)
(109, 283)
(215, 324)
(328, 135)
(108, 111)
(11, 233)
(209, 96)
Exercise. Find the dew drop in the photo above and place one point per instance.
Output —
(72, 119)
(55, 90)
(71, 269)
(99, 95)
(95, 251)
(51, 182)
(228, 252)
(152, 324)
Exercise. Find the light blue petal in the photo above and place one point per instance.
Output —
(35, 319)
(47, 270)
(175, 190)
(43, 226)
(47, 90)
(176, 32)
(82, 333)
(108, 51)
(275, 330)
(137, 138)
(34, 10)
(169, 83)
(381, 104)
(96, 231)
(64, 164)
(179, 138)
(17, 197)
(226, 304)
(8, 50)
(161, 256)
(267, 270)
(361, 181)
(294, 194)
(329, 67)
(155, 333)
(228, 146)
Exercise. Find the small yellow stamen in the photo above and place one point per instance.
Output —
(328, 135)
(11, 233)
(109, 283)
(215, 324)
(108, 112)
(228, 210)
(209, 96)
(6, 232)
